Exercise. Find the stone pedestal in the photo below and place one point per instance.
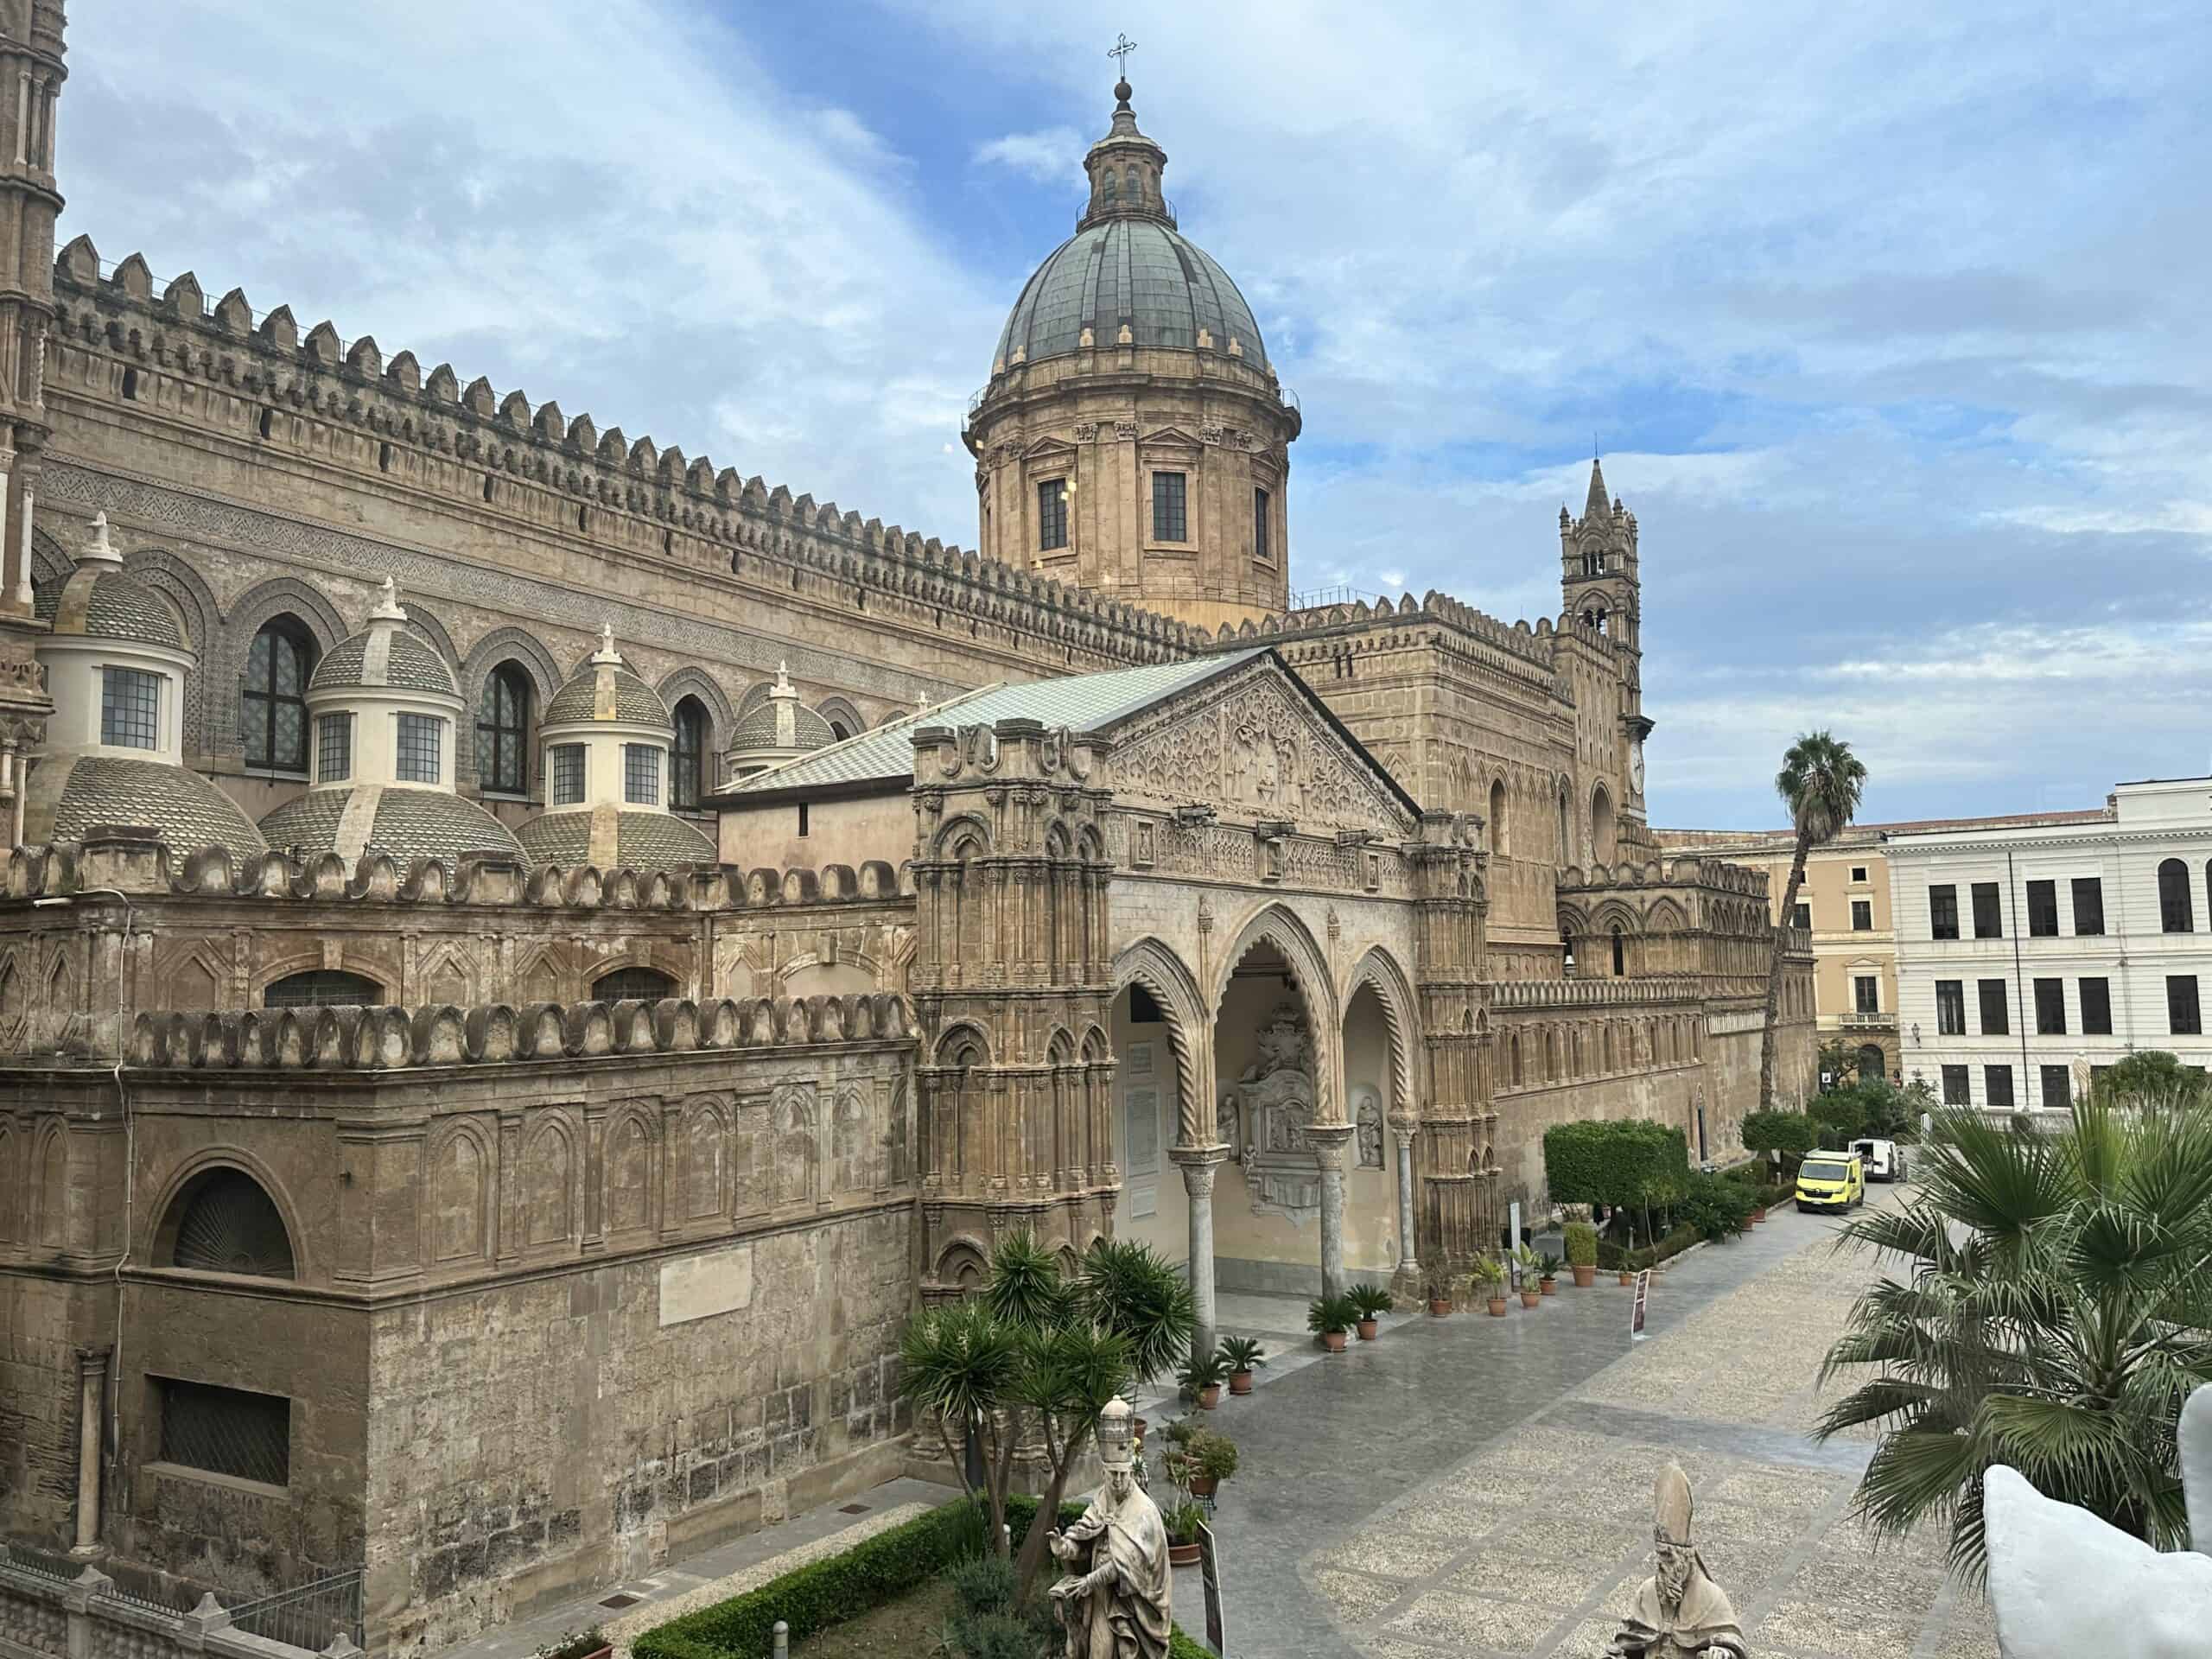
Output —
(1329, 1142)
(1199, 1165)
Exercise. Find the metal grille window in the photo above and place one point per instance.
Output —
(334, 748)
(226, 1431)
(640, 984)
(1950, 1007)
(1262, 548)
(1051, 514)
(2088, 904)
(2096, 1007)
(1996, 1014)
(686, 776)
(2057, 1087)
(226, 1223)
(2176, 914)
(322, 988)
(1988, 922)
(565, 774)
(1997, 1084)
(2183, 1017)
(272, 700)
(1867, 988)
(1956, 1090)
(130, 707)
(2043, 910)
(2051, 1008)
(1170, 520)
(1943, 912)
(419, 757)
(641, 774)
(1862, 915)
(502, 728)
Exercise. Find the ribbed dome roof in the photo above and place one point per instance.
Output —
(104, 603)
(635, 701)
(644, 841)
(756, 728)
(408, 823)
(69, 794)
(1140, 271)
(410, 663)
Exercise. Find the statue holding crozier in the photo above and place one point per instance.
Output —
(1679, 1610)
(1112, 1601)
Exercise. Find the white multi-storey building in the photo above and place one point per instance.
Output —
(2029, 957)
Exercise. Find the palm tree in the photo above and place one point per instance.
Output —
(2056, 1313)
(1820, 782)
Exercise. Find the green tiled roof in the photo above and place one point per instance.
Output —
(69, 795)
(644, 841)
(413, 665)
(634, 700)
(1082, 702)
(756, 728)
(117, 607)
(409, 824)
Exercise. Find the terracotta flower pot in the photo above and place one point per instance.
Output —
(1209, 1396)
(1367, 1330)
(1240, 1382)
(1627, 1278)
(1758, 1215)
(1183, 1554)
(1334, 1341)
(1204, 1486)
(1549, 1286)
(1498, 1308)
(1531, 1297)
(1439, 1307)
(1585, 1277)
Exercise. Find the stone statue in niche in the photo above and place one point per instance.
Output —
(1276, 1103)
(1678, 1611)
(1225, 1128)
(1367, 1117)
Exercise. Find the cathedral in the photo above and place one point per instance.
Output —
(527, 954)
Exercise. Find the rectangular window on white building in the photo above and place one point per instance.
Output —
(1997, 1084)
(2096, 1007)
(2043, 910)
(1994, 1019)
(2088, 904)
(1951, 1007)
(1955, 1090)
(1943, 912)
(2057, 1087)
(2051, 1008)
(1989, 918)
(2183, 1017)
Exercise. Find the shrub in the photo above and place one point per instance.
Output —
(1214, 1457)
(1792, 1134)
(1204, 1371)
(1582, 1244)
(1714, 1208)
(1183, 1521)
(1326, 1314)
(985, 1585)
(1372, 1301)
(1243, 1353)
(995, 1635)
(1632, 1163)
(1613, 1258)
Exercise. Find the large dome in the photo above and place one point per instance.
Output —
(1136, 270)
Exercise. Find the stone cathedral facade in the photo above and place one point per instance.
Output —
(527, 954)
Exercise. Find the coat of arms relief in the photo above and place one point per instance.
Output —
(1273, 1105)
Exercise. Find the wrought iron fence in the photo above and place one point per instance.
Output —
(43, 1562)
(308, 1615)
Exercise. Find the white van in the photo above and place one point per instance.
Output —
(1884, 1160)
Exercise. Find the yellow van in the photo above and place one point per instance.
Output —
(1831, 1180)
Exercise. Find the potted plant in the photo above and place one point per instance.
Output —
(1183, 1522)
(1201, 1378)
(1548, 1267)
(1243, 1354)
(1438, 1284)
(1582, 1253)
(578, 1644)
(1213, 1459)
(1371, 1303)
(1329, 1318)
(1490, 1273)
(1525, 1260)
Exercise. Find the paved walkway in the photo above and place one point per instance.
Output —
(1482, 1487)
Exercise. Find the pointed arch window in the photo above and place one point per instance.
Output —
(688, 781)
(1620, 953)
(272, 699)
(503, 732)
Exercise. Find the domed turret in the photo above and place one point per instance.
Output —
(607, 736)
(1134, 439)
(779, 728)
(382, 705)
(115, 659)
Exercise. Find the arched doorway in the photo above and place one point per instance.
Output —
(1873, 1064)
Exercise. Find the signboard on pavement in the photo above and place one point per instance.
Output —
(1636, 1309)
(1210, 1576)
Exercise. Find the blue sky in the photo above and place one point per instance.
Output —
(1889, 318)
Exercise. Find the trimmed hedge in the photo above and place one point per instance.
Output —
(813, 1597)
(1629, 1162)
(1612, 1258)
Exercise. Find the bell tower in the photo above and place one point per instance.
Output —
(1599, 585)
(31, 73)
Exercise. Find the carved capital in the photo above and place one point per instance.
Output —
(1329, 1142)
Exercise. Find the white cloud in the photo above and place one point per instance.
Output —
(1053, 156)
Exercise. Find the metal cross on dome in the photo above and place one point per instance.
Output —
(1120, 52)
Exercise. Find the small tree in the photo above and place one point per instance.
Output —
(2150, 1071)
(1632, 1164)
(1786, 1136)
(1820, 782)
(1036, 1357)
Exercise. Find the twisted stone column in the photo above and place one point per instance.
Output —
(1329, 1142)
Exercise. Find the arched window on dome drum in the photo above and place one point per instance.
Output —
(503, 732)
(322, 988)
(272, 701)
(1129, 183)
(633, 984)
(223, 1222)
(2176, 912)
(688, 780)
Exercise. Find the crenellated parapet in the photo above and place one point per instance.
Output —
(258, 378)
(348, 1039)
(1528, 647)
